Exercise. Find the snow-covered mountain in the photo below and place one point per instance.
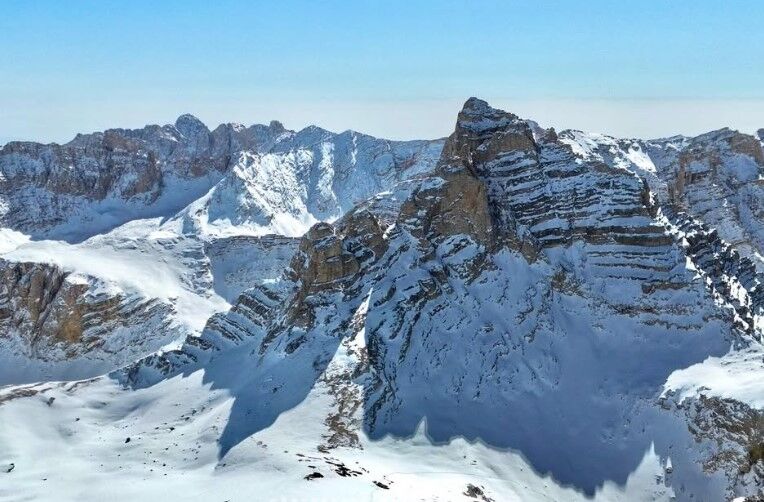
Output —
(307, 177)
(515, 313)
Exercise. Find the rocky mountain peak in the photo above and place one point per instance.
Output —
(482, 132)
(276, 126)
(190, 126)
(747, 145)
(538, 191)
(478, 116)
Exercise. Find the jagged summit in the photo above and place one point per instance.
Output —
(477, 115)
(477, 106)
(101, 180)
(276, 126)
(190, 126)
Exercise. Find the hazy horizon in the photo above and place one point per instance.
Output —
(394, 120)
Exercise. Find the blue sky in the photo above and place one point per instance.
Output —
(393, 68)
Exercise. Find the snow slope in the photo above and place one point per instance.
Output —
(173, 451)
(738, 375)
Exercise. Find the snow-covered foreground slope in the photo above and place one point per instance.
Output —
(173, 450)
(539, 317)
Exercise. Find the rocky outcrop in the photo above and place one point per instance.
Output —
(28, 294)
(322, 271)
(714, 178)
(733, 434)
(454, 203)
(544, 197)
(245, 324)
(558, 199)
(323, 263)
(54, 315)
(709, 194)
(732, 277)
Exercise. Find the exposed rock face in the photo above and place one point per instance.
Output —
(734, 433)
(715, 178)
(45, 186)
(29, 290)
(325, 264)
(322, 259)
(540, 186)
(50, 315)
(730, 276)
(248, 319)
(453, 203)
(709, 192)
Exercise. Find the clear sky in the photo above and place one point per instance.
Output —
(392, 68)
